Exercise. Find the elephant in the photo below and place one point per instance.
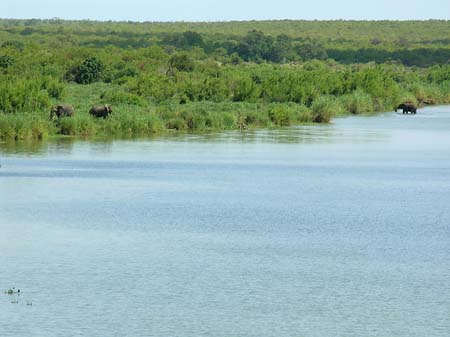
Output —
(63, 110)
(407, 107)
(100, 111)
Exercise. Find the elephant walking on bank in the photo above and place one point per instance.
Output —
(100, 111)
(63, 110)
(407, 107)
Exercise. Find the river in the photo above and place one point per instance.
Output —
(321, 230)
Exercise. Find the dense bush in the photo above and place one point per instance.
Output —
(23, 127)
(357, 102)
(89, 71)
(118, 96)
(323, 108)
(6, 61)
(22, 94)
(181, 62)
(131, 124)
(79, 125)
(55, 88)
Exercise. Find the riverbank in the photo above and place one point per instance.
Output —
(131, 120)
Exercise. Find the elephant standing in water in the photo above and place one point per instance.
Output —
(407, 107)
(63, 110)
(100, 111)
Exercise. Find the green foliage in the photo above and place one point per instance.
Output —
(243, 89)
(256, 46)
(186, 40)
(157, 87)
(357, 102)
(131, 124)
(89, 71)
(13, 44)
(55, 88)
(281, 116)
(22, 94)
(311, 50)
(6, 61)
(323, 108)
(181, 62)
(79, 125)
(118, 96)
(439, 74)
(23, 127)
(380, 84)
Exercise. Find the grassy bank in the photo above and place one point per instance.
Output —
(148, 118)
(133, 120)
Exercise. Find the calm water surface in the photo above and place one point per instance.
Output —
(337, 230)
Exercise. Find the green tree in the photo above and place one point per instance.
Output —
(255, 45)
(89, 71)
(181, 62)
(311, 51)
(6, 61)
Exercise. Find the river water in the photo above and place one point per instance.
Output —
(331, 230)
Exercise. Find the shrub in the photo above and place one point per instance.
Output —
(357, 102)
(303, 114)
(22, 94)
(177, 123)
(78, 125)
(89, 71)
(55, 88)
(121, 97)
(157, 87)
(243, 89)
(281, 115)
(6, 61)
(7, 127)
(23, 127)
(428, 94)
(322, 109)
(181, 62)
(228, 121)
(131, 124)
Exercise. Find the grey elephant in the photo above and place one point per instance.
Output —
(407, 107)
(63, 110)
(100, 111)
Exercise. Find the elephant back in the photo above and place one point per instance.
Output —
(67, 110)
(62, 110)
(100, 111)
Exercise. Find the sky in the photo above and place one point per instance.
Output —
(226, 10)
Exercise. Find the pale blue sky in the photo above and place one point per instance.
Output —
(204, 10)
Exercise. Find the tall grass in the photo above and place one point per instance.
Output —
(78, 125)
(425, 93)
(130, 124)
(24, 126)
(138, 116)
(357, 102)
(22, 94)
(323, 108)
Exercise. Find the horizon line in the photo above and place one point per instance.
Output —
(220, 21)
